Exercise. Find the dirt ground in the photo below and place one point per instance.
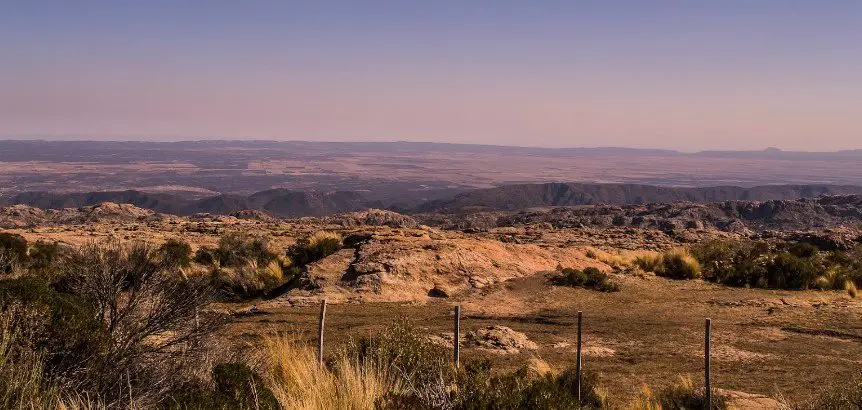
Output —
(651, 332)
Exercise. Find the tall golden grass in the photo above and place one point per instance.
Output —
(300, 383)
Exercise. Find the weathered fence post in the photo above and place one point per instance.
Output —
(578, 363)
(320, 322)
(707, 387)
(456, 336)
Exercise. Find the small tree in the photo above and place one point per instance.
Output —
(151, 315)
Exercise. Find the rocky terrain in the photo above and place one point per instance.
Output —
(730, 216)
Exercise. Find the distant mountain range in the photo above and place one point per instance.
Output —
(278, 202)
(292, 203)
(517, 197)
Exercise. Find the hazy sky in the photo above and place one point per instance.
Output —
(683, 74)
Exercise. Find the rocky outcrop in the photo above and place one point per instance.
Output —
(20, 216)
(500, 338)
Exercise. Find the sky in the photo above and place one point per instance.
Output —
(685, 75)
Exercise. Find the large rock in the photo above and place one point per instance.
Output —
(500, 338)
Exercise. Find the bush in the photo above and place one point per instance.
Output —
(175, 252)
(314, 248)
(733, 262)
(673, 264)
(788, 271)
(422, 366)
(678, 264)
(590, 278)
(242, 387)
(206, 256)
(238, 249)
(45, 257)
(13, 252)
(247, 281)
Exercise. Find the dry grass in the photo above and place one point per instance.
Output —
(619, 261)
(850, 287)
(298, 382)
(322, 237)
(674, 263)
(682, 395)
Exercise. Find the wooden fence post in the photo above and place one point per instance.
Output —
(320, 322)
(456, 336)
(707, 384)
(578, 363)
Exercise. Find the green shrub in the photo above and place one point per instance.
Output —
(242, 387)
(175, 252)
(788, 271)
(733, 262)
(14, 244)
(590, 278)
(13, 252)
(234, 386)
(61, 327)
(401, 349)
(45, 257)
(206, 256)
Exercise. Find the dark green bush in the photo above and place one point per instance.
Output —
(175, 252)
(13, 252)
(234, 386)
(14, 244)
(206, 256)
(590, 278)
(788, 271)
(242, 387)
(794, 266)
(61, 327)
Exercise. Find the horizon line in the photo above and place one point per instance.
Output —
(166, 139)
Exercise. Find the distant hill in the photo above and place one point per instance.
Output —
(278, 202)
(517, 197)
